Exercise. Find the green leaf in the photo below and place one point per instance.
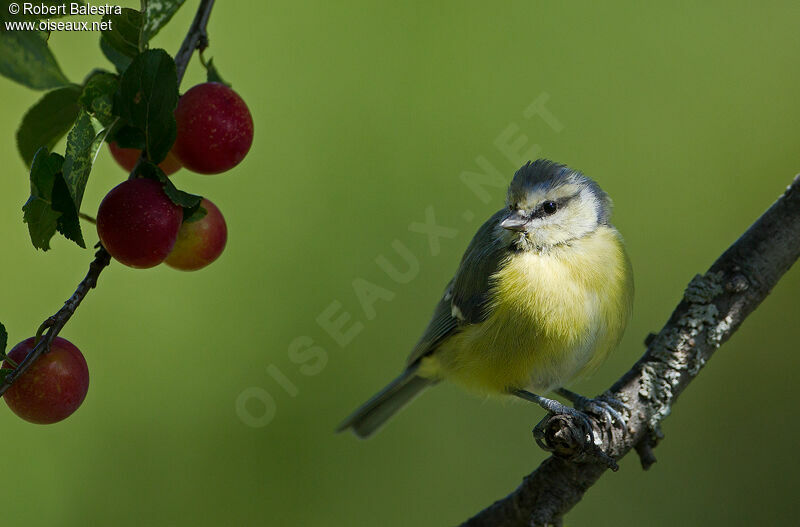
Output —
(69, 224)
(38, 211)
(149, 170)
(47, 121)
(189, 202)
(97, 97)
(212, 75)
(146, 99)
(50, 207)
(126, 32)
(25, 58)
(3, 339)
(4, 372)
(82, 143)
(120, 61)
(197, 215)
(156, 15)
(127, 136)
(42, 221)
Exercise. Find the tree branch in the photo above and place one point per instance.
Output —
(713, 307)
(195, 38)
(54, 324)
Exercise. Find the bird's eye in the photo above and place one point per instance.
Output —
(549, 207)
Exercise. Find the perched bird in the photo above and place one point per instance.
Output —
(542, 295)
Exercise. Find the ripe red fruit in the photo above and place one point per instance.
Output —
(127, 157)
(138, 224)
(53, 387)
(215, 129)
(199, 242)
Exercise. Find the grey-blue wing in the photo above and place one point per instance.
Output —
(466, 298)
(472, 284)
(441, 326)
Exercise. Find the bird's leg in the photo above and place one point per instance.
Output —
(606, 407)
(555, 408)
(551, 405)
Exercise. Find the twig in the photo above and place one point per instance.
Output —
(713, 307)
(54, 324)
(195, 38)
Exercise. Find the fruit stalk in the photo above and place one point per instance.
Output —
(196, 37)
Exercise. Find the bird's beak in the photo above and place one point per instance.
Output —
(515, 221)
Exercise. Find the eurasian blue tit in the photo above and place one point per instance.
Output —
(542, 294)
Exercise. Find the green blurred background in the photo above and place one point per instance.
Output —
(366, 114)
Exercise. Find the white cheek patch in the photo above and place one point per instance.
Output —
(577, 218)
(584, 217)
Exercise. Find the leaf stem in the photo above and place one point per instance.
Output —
(39, 332)
(86, 217)
(11, 362)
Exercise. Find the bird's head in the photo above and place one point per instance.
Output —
(550, 204)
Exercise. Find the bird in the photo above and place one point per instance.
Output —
(542, 295)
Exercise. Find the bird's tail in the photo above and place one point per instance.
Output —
(371, 415)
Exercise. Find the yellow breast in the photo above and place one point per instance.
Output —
(553, 315)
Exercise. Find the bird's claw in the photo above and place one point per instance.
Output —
(566, 431)
(549, 440)
(605, 407)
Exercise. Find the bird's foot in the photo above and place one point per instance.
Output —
(564, 429)
(608, 409)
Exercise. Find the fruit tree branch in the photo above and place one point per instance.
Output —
(713, 307)
(195, 38)
(54, 324)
